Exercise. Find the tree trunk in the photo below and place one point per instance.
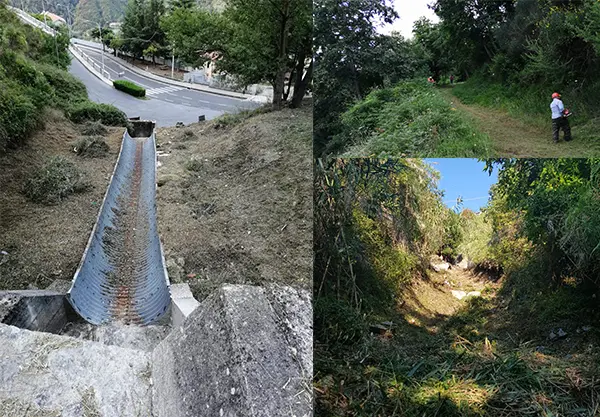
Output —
(279, 84)
(300, 87)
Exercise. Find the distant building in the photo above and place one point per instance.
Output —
(56, 19)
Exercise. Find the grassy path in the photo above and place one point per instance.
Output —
(516, 138)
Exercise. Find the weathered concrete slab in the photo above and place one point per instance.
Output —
(245, 351)
(47, 375)
(183, 303)
(144, 338)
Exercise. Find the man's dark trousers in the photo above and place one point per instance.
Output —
(561, 123)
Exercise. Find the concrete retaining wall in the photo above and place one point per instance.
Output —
(245, 351)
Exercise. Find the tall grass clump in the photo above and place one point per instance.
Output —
(410, 119)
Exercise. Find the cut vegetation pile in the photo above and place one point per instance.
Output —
(234, 202)
(91, 146)
(54, 181)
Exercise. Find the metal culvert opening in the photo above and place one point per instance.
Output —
(122, 275)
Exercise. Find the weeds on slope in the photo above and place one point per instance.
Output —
(471, 363)
(410, 119)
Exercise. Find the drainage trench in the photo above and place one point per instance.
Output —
(122, 276)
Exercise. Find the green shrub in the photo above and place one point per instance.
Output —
(129, 88)
(54, 181)
(91, 146)
(89, 111)
(93, 128)
(67, 89)
(19, 117)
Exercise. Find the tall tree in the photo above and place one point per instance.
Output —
(256, 40)
(345, 38)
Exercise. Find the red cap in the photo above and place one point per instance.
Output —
(555, 95)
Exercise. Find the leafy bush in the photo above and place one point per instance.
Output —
(19, 117)
(129, 88)
(54, 181)
(91, 146)
(89, 111)
(67, 89)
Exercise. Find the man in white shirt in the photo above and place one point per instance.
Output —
(559, 119)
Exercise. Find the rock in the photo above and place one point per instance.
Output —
(180, 261)
(586, 328)
(58, 375)
(463, 294)
(463, 264)
(561, 333)
(441, 266)
(552, 335)
(378, 328)
(459, 294)
(245, 351)
(179, 124)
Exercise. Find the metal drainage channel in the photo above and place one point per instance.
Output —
(122, 275)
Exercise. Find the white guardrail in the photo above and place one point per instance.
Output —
(95, 64)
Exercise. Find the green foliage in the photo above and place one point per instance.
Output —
(141, 28)
(391, 263)
(477, 234)
(129, 88)
(453, 236)
(54, 181)
(352, 59)
(67, 88)
(89, 111)
(411, 118)
(88, 13)
(18, 116)
(32, 77)
(256, 41)
(376, 223)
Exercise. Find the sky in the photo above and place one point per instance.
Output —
(409, 12)
(465, 178)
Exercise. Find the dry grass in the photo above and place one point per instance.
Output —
(45, 243)
(235, 205)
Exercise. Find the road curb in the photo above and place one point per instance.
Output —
(191, 86)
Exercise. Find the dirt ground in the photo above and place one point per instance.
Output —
(235, 202)
(158, 69)
(44, 243)
(240, 212)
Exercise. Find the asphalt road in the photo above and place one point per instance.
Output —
(168, 92)
(164, 113)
